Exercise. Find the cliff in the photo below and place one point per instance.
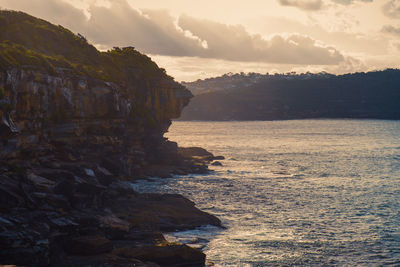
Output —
(53, 81)
(76, 125)
(79, 111)
(372, 95)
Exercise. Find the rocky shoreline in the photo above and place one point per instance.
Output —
(65, 192)
(70, 146)
(57, 210)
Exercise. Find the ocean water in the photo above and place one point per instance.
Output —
(302, 192)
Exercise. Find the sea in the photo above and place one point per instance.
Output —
(294, 193)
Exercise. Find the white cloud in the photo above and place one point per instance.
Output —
(158, 32)
(233, 42)
(150, 31)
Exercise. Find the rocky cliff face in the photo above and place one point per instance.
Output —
(41, 108)
(69, 144)
(77, 126)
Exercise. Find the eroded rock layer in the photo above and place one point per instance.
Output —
(87, 114)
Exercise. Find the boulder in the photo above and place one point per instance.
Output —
(11, 195)
(114, 228)
(196, 153)
(167, 254)
(88, 245)
(167, 212)
(55, 201)
(161, 171)
(40, 181)
(23, 247)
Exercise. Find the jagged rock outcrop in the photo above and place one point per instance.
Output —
(71, 141)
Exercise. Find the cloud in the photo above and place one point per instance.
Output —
(193, 68)
(370, 43)
(233, 42)
(392, 9)
(157, 32)
(391, 29)
(348, 2)
(312, 5)
(349, 65)
(302, 4)
(55, 11)
(151, 31)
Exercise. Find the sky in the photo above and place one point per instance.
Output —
(199, 39)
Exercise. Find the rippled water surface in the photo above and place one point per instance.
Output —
(307, 192)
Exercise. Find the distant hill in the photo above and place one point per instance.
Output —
(374, 95)
(225, 82)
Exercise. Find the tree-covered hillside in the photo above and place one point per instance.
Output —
(29, 41)
(296, 96)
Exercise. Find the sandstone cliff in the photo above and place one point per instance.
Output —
(57, 88)
(41, 108)
(76, 125)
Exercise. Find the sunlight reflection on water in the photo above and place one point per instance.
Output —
(308, 192)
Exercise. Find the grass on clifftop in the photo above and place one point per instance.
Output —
(27, 41)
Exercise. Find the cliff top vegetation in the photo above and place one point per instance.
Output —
(26, 41)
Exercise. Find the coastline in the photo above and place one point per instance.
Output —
(77, 125)
(69, 146)
(68, 213)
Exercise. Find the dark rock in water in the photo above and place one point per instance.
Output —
(219, 158)
(216, 163)
(195, 152)
(105, 260)
(198, 158)
(120, 188)
(161, 212)
(165, 255)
